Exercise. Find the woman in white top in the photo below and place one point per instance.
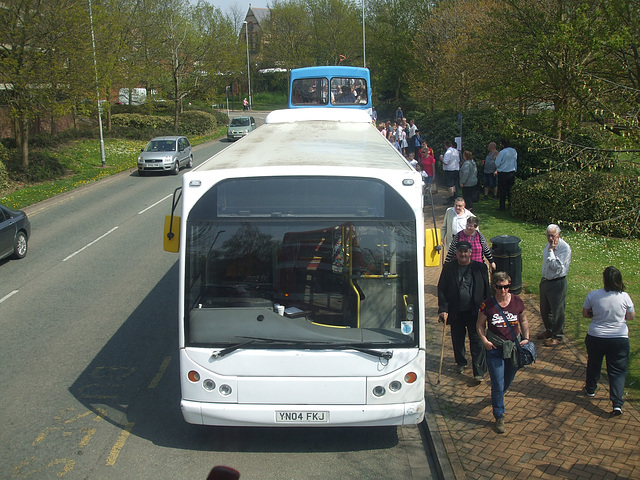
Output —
(455, 219)
(608, 337)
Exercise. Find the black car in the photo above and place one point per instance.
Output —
(15, 231)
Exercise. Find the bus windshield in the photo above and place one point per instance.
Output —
(340, 262)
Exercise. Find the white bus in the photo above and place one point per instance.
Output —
(301, 278)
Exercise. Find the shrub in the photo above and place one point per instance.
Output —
(4, 174)
(141, 122)
(600, 202)
(221, 117)
(196, 122)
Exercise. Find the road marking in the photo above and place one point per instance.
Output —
(115, 451)
(163, 368)
(89, 244)
(150, 207)
(6, 297)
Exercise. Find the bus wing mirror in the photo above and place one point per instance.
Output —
(171, 234)
(432, 247)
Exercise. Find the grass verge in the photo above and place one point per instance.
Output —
(83, 162)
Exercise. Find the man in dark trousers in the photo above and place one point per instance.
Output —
(463, 286)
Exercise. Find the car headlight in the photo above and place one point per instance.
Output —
(140, 160)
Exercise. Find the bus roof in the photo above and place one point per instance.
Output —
(322, 137)
(341, 71)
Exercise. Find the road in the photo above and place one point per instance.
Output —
(88, 347)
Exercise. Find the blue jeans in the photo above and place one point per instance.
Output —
(616, 351)
(502, 372)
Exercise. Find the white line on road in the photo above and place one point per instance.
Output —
(150, 207)
(89, 244)
(6, 297)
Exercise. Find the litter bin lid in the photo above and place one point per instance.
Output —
(505, 240)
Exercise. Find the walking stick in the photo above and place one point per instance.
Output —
(444, 329)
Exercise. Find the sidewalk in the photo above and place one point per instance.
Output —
(553, 429)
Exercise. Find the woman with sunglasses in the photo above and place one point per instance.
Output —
(502, 353)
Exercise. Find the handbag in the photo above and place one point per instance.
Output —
(526, 353)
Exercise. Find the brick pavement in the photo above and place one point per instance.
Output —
(553, 429)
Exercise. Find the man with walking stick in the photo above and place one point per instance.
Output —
(462, 287)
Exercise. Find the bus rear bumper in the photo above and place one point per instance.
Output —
(220, 414)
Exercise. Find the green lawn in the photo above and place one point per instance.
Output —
(590, 255)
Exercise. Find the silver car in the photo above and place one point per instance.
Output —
(240, 126)
(165, 154)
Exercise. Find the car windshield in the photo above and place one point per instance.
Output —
(350, 281)
(161, 146)
(240, 122)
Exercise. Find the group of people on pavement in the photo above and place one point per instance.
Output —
(499, 173)
(478, 301)
(494, 318)
(406, 138)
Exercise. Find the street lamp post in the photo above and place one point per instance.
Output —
(95, 67)
(246, 34)
(364, 47)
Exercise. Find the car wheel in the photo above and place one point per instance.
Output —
(190, 164)
(176, 168)
(20, 246)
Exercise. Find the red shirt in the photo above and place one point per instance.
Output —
(495, 320)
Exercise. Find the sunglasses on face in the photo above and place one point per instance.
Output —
(504, 287)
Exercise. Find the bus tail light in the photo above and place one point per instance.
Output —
(395, 386)
(379, 391)
(193, 376)
(411, 377)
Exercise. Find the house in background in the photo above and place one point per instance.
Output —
(251, 30)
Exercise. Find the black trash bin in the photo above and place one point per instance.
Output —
(508, 257)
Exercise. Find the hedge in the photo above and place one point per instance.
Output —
(600, 202)
(189, 123)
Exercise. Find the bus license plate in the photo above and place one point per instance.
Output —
(302, 417)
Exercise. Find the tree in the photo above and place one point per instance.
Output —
(218, 51)
(391, 27)
(304, 33)
(36, 43)
(449, 71)
(543, 51)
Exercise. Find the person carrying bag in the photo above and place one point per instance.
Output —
(503, 329)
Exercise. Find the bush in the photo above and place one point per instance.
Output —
(195, 122)
(141, 122)
(599, 202)
(4, 174)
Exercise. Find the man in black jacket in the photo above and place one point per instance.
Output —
(463, 286)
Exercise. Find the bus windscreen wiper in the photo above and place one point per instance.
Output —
(386, 355)
(231, 348)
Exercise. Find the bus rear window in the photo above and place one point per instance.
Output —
(349, 91)
(310, 91)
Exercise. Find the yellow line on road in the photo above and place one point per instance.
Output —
(115, 451)
(163, 368)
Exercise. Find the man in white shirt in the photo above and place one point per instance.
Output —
(451, 167)
(556, 258)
